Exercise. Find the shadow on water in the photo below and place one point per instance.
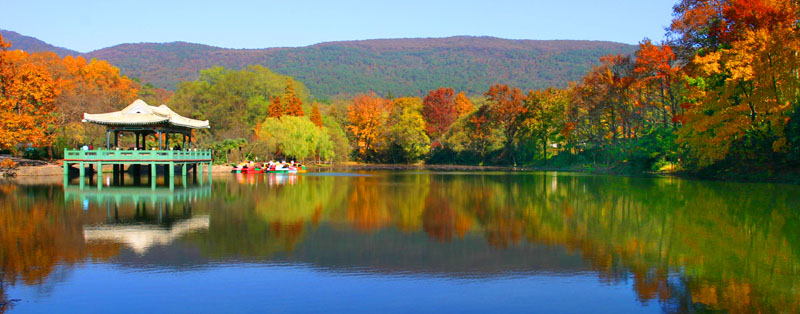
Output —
(692, 246)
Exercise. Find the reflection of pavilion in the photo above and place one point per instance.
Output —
(141, 237)
(141, 217)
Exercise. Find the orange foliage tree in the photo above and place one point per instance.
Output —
(27, 100)
(316, 116)
(275, 109)
(294, 106)
(508, 112)
(463, 104)
(366, 117)
(744, 61)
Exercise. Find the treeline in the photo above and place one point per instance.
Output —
(43, 98)
(721, 94)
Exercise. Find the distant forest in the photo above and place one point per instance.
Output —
(388, 67)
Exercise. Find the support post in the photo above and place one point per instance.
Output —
(160, 146)
(183, 170)
(99, 175)
(66, 173)
(82, 170)
(201, 165)
(108, 139)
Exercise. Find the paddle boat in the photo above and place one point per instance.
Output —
(278, 168)
(247, 167)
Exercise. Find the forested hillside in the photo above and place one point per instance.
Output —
(31, 44)
(409, 67)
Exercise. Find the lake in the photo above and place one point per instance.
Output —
(396, 242)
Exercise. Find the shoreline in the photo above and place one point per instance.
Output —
(55, 169)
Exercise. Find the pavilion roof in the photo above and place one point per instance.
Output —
(140, 113)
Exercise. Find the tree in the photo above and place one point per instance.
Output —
(463, 104)
(315, 116)
(275, 109)
(660, 82)
(406, 131)
(367, 116)
(295, 138)
(439, 111)
(233, 101)
(294, 106)
(508, 112)
(744, 64)
(27, 100)
(547, 115)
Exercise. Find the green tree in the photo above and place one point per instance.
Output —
(406, 130)
(296, 138)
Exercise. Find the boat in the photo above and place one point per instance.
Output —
(247, 168)
(278, 168)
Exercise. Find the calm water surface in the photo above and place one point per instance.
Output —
(391, 242)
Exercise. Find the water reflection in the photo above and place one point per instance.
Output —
(689, 245)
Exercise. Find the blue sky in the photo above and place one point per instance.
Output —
(89, 25)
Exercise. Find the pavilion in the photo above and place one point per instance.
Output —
(142, 120)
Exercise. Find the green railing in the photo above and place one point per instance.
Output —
(102, 155)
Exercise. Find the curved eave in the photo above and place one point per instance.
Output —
(166, 121)
(124, 123)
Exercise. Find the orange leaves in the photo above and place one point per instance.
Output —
(748, 73)
(463, 104)
(275, 109)
(27, 94)
(42, 93)
(294, 106)
(366, 115)
(315, 116)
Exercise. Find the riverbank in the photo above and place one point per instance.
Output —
(36, 168)
(351, 166)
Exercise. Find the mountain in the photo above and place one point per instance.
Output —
(410, 66)
(31, 44)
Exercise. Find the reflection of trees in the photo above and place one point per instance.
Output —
(260, 220)
(734, 246)
(38, 233)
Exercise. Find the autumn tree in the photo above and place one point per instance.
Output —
(463, 104)
(27, 100)
(508, 112)
(366, 117)
(315, 116)
(743, 56)
(275, 109)
(439, 111)
(294, 106)
(660, 82)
